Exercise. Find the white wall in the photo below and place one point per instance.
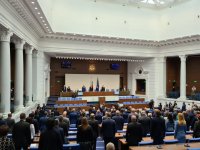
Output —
(149, 68)
(76, 81)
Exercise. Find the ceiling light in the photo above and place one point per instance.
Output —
(33, 2)
(47, 27)
(38, 13)
(45, 24)
(43, 21)
(41, 17)
(36, 8)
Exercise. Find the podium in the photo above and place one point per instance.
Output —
(102, 100)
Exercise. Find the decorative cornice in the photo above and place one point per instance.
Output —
(26, 14)
(124, 41)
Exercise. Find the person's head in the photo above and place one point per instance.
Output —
(10, 115)
(60, 118)
(170, 117)
(4, 130)
(117, 112)
(22, 116)
(84, 122)
(181, 119)
(29, 120)
(133, 118)
(110, 146)
(157, 113)
(50, 123)
(92, 116)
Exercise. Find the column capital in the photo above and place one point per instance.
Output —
(5, 35)
(183, 57)
(29, 49)
(161, 59)
(19, 43)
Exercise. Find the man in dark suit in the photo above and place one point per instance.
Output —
(119, 120)
(10, 122)
(95, 128)
(108, 129)
(21, 133)
(50, 139)
(133, 132)
(157, 129)
(145, 122)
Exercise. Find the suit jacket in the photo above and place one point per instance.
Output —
(145, 122)
(157, 129)
(21, 134)
(10, 122)
(50, 140)
(95, 127)
(108, 128)
(119, 120)
(134, 133)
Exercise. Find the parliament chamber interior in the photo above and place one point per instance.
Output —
(99, 75)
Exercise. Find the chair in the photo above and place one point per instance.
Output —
(194, 140)
(171, 141)
(34, 146)
(71, 147)
(169, 133)
(145, 143)
(71, 138)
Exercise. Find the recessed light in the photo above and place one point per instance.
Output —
(33, 2)
(43, 21)
(41, 17)
(47, 27)
(36, 8)
(38, 13)
(45, 24)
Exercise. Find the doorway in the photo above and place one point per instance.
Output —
(140, 86)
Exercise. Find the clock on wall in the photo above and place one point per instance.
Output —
(92, 67)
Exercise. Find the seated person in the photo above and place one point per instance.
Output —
(91, 88)
(103, 88)
(64, 89)
(83, 88)
(68, 89)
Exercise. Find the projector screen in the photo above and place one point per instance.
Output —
(76, 81)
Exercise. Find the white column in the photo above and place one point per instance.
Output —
(19, 74)
(161, 77)
(28, 75)
(5, 77)
(183, 77)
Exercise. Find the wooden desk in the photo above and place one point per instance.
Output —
(131, 100)
(98, 93)
(123, 144)
(165, 147)
(66, 94)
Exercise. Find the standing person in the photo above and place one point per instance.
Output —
(170, 123)
(10, 122)
(85, 135)
(196, 130)
(145, 123)
(133, 132)
(119, 120)
(108, 129)
(21, 133)
(157, 129)
(32, 128)
(95, 127)
(5, 142)
(50, 139)
(180, 129)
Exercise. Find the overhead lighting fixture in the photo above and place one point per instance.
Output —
(47, 27)
(43, 21)
(41, 17)
(33, 2)
(45, 24)
(36, 8)
(38, 13)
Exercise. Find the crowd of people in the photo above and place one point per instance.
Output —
(98, 121)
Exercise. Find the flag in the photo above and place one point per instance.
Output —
(97, 86)
(91, 86)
